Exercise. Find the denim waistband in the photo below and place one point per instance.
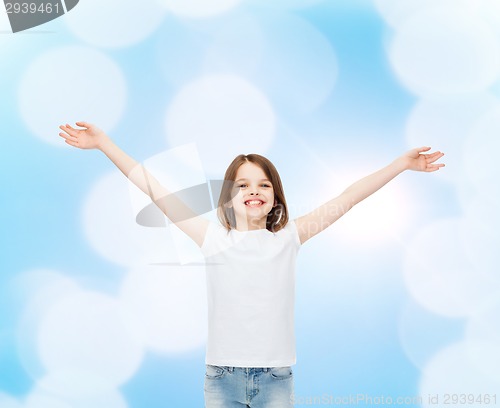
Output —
(246, 369)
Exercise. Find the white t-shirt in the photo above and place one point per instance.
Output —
(251, 296)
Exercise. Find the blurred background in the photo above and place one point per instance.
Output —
(396, 303)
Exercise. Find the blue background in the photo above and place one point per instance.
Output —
(350, 291)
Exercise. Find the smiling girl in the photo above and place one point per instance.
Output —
(250, 264)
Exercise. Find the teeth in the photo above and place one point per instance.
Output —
(253, 202)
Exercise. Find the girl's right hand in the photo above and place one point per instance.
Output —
(91, 137)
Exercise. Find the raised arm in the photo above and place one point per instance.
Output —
(326, 214)
(91, 137)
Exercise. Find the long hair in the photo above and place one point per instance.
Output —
(277, 217)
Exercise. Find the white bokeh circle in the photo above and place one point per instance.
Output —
(40, 397)
(69, 84)
(165, 306)
(236, 46)
(43, 400)
(438, 273)
(179, 52)
(7, 401)
(85, 346)
(422, 333)
(198, 8)
(107, 399)
(39, 289)
(483, 142)
(481, 236)
(450, 372)
(445, 51)
(482, 336)
(480, 194)
(299, 66)
(445, 125)
(286, 4)
(397, 12)
(110, 226)
(489, 10)
(114, 23)
(225, 115)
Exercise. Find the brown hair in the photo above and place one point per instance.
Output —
(277, 217)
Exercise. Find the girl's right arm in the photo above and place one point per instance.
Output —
(176, 210)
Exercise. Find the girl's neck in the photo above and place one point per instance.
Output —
(251, 226)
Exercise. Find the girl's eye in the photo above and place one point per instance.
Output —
(245, 185)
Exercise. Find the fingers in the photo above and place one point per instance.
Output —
(431, 158)
(83, 124)
(72, 143)
(423, 149)
(71, 130)
(68, 138)
(434, 167)
(68, 129)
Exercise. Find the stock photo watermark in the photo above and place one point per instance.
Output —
(465, 399)
(24, 15)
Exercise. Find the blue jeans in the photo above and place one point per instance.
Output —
(231, 387)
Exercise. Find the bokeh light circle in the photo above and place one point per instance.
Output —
(110, 227)
(445, 50)
(481, 164)
(397, 12)
(41, 397)
(423, 333)
(92, 88)
(489, 10)
(482, 335)
(224, 111)
(198, 8)
(481, 236)
(114, 23)
(438, 273)
(236, 46)
(287, 4)
(7, 401)
(179, 52)
(299, 65)
(445, 124)
(44, 400)
(38, 289)
(165, 306)
(83, 341)
(451, 372)
(107, 399)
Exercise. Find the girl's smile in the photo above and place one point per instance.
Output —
(254, 203)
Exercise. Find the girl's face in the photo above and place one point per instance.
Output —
(253, 198)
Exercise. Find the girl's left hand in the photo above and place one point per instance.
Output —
(417, 160)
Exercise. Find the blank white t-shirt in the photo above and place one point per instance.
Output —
(251, 296)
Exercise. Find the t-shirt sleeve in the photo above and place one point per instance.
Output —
(212, 239)
(291, 226)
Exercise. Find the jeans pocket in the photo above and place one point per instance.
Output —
(214, 372)
(281, 373)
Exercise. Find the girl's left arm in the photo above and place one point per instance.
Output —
(326, 214)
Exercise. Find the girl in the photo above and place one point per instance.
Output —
(250, 264)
